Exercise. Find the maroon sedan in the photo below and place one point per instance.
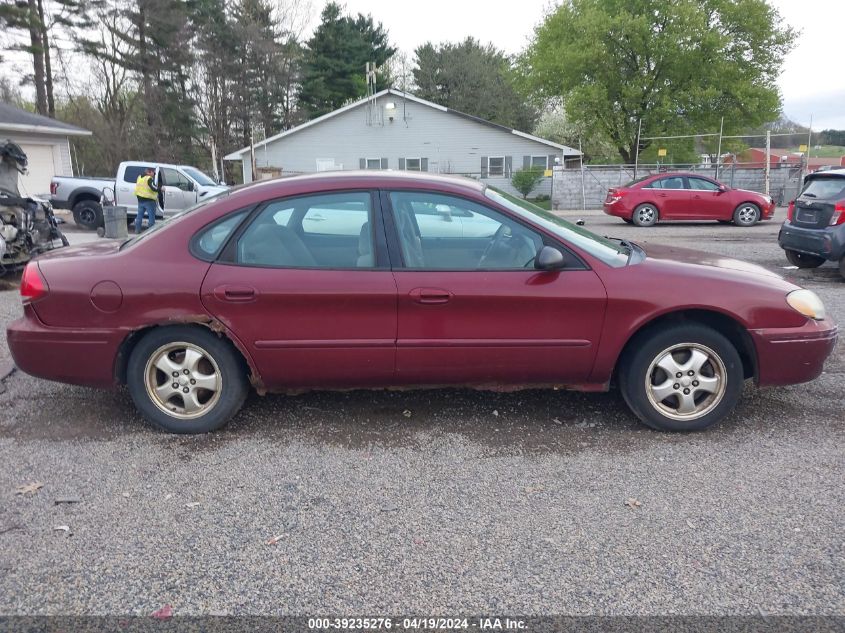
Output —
(372, 280)
(648, 200)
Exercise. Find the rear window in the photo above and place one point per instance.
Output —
(825, 187)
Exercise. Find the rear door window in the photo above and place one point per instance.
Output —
(131, 173)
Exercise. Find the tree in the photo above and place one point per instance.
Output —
(676, 66)
(40, 26)
(474, 79)
(524, 180)
(334, 68)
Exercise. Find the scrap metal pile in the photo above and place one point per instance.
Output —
(27, 225)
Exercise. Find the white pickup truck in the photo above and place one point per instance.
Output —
(180, 186)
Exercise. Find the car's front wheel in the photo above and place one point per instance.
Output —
(186, 379)
(803, 260)
(682, 378)
(746, 214)
(645, 215)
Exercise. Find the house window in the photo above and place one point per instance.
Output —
(540, 162)
(496, 166)
(374, 163)
(413, 164)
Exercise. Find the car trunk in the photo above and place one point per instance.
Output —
(814, 207)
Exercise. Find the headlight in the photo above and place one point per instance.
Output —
(807, 303)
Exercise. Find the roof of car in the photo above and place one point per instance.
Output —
(360, 178)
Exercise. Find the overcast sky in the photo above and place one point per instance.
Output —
(812, 82)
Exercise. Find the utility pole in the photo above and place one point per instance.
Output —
(719, 148)
(583, 192)
(637, 149)
(768, 158)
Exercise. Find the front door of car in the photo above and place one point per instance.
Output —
(306, 287)
(483, 314)
(672, 198)
(707, 201)
(176, 191)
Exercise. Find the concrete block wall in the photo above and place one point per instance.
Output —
(572, 189)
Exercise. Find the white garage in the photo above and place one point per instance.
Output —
(46, 144)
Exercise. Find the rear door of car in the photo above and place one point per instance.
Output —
(305, 284)
(707, 201)
(814, 206)
(672, 198)
(484, 315)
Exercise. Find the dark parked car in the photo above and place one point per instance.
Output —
(371, 280)
(681, 196)
(814, 231)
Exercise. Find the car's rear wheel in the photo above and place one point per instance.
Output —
(803, 260)
(645, 215)
(186, 379)
(88, 214)
(747, 214)
(682, 378)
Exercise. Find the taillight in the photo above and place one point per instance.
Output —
(791, 210)
(838, 216)
(33, 285)
(614, 195)
(54, 187)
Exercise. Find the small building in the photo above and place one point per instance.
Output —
(45, 142)
(396, 130)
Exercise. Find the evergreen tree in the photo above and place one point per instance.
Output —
(336, 57)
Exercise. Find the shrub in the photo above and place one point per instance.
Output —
(524, 180)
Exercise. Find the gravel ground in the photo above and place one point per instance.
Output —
(476, 503)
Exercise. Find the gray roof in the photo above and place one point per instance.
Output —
(15, 119)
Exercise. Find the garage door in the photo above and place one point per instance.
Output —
(41, 170)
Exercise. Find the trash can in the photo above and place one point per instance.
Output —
(115, 222)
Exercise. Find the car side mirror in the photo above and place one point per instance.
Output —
(722, 188)
(549, 258)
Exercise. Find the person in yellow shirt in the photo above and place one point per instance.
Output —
(147, 194)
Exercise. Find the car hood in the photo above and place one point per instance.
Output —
(210, 190)
(688, 256)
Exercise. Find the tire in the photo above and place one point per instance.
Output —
(88, 214)
(640, 368)
(747, 214)
(803, 260)
(842, 267)
(215, 364)
(645, 215)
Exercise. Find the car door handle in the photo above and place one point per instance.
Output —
(235, 293)
(430, 295)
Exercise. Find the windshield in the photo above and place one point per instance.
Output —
(160, 224)
(611, 253)
(197, 175)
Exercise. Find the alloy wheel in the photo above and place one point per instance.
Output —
(686, 381)
(183, 380)
(746, 215)
(646, 215)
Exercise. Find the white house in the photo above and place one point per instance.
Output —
(396, 130)
(45, 142)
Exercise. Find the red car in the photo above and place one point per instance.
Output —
(648, 200)
(372, 280)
